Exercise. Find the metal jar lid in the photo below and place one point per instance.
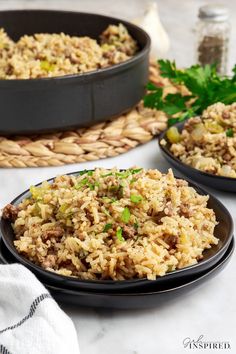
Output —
(215, 13)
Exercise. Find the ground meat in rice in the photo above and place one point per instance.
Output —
(10, 212)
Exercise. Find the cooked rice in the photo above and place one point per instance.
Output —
(208, 143)
(111, 224)
(49, 55)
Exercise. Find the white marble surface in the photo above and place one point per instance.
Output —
(209, 310)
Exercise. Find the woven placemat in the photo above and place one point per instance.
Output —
(107, 139)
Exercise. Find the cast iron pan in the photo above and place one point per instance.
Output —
(72, 101)
(218, 182)
(224, 231)
(155, 296)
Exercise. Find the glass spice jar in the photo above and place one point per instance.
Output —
(213, 30)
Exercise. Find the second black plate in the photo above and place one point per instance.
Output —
(218, 182)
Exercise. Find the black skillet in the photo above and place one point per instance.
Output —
(71, 101)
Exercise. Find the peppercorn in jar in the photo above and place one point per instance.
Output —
(213, 36)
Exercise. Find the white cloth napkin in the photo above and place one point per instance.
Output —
(31, 322)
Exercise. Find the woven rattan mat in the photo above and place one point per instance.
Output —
(107, 139)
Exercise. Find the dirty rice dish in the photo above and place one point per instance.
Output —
(111, 224)
(208, 143)
(48, 55)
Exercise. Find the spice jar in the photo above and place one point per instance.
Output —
(213, 36)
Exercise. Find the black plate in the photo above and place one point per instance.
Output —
(224, 231)
(72, 101)
(218, 182)
(156, 296)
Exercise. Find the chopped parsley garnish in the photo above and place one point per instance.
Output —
(125, 216)
(133, 180)
(93, 185)
(229, 132)
(127, 173)
(107, 227)
(136, 225)
(81, 183)
(107, 174)
(106, 212)
(123, 174)
(119, 234)
(86, 182)
(89, 173)
(137, 170)
(81, 173)
(136, 198)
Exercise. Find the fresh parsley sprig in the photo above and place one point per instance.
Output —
(205, 88)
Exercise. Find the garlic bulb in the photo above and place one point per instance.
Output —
(151, 23)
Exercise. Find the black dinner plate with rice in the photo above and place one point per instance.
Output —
(223, 231)
(130, 299)
(226, 184)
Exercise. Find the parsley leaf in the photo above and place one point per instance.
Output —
(123, 174)
(106, 212)
(89, 173)
(168, 69)
(93, 185)
(107, 227)
(229, 132)
(175, 103)
(125, 216)
(133, 180)
(119, 234)
(81, 183)
(136, 198)
(137, 170)
(206, 87)
(107, 174)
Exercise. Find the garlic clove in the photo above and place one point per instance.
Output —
(151, 23)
